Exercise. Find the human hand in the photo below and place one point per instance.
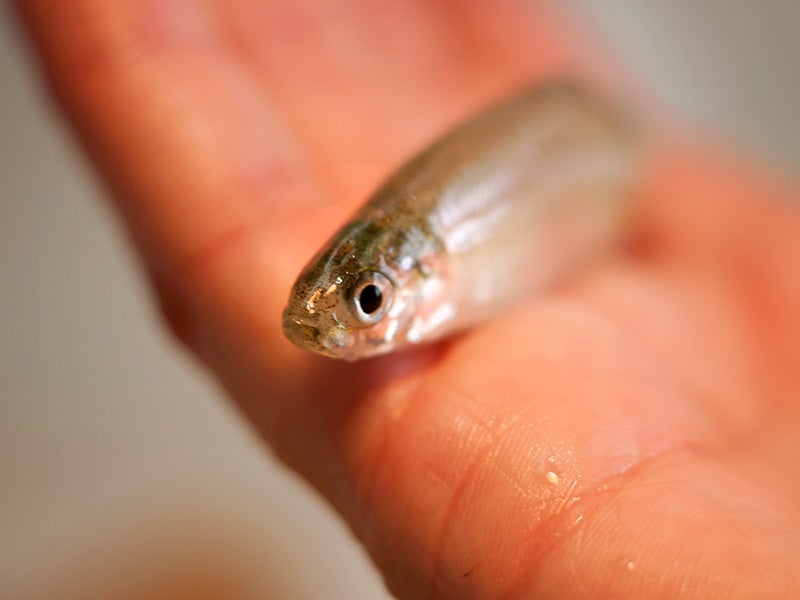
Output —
(631, 435)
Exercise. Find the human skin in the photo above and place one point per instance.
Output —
(630, 435)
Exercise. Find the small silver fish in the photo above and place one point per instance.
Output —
(488, 215)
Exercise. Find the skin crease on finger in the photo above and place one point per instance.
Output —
(590, 443)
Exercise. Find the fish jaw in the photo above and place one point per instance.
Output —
(334, 341)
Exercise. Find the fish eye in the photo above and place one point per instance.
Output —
(372, 297)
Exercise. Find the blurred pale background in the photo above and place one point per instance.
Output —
(120, 462)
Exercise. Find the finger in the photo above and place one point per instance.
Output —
(709, 214)
(394, 72)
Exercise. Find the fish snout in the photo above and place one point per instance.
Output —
(301, 333)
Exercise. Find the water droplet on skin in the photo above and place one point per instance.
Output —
(552, 478)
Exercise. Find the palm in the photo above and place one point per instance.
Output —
(626, 435)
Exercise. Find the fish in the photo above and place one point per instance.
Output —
(493, 213)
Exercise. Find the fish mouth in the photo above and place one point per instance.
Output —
(301, 334)
(333, 342)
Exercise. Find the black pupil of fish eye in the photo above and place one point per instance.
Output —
(370, 299)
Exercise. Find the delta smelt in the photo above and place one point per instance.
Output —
(487, 216)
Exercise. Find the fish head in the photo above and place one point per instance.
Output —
(354, 299)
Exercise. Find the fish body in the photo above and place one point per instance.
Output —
(490, 214)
